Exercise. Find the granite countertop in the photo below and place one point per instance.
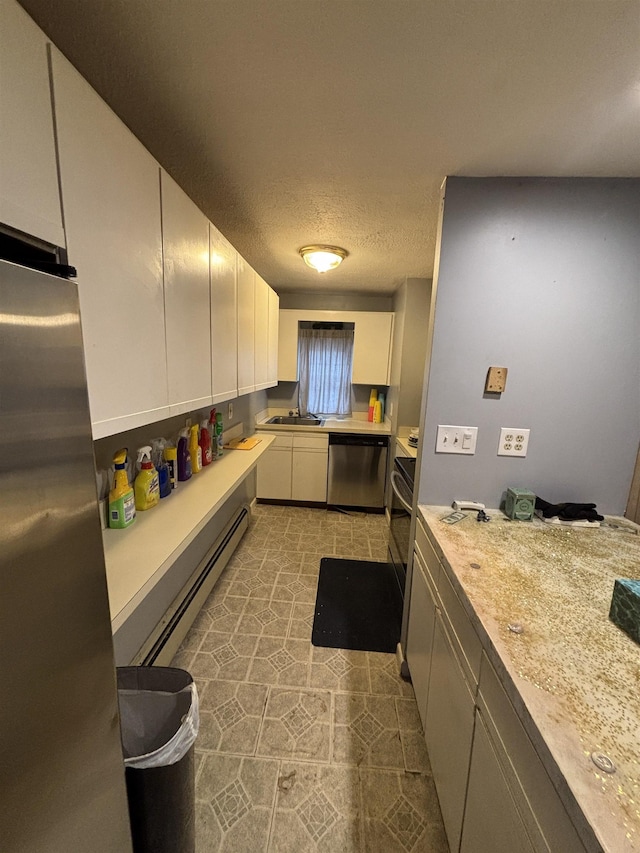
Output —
(573, 676)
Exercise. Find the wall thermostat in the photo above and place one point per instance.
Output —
(519, 504)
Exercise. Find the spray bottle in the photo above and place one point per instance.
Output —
(161, 466)
(122, 507)
(146, 487)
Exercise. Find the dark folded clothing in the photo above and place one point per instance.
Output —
(569, 511)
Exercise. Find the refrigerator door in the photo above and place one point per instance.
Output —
(62, 785)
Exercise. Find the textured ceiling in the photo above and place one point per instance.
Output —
(299, 121)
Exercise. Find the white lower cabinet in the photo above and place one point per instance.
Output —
(495, 794)
(422, 619)
(449, 731)
(274, 469)
(310, 462)
(294, 468)
(492, 822)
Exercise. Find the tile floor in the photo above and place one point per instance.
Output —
(302, 748)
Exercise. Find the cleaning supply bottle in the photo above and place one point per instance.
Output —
(157, 457)
(147, 486)
(205, 443)
(219, 434)
(377, 412)
(170, 454)
(212, 433)
(195, 450)
(183, 455)
(122, 506)
(372, 401)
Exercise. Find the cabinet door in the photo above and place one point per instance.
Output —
(372, 349)
(224, 317)
(272, 357)
(111, 201)
(288, 346)
(274, 474)
(492, 823)
(421, 624)
(449, 731)
(185, 240)
(309, 473)
(29, 194)
(261, 334)
(246, 326)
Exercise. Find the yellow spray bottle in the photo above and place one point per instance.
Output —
(122, 507)
(195, 450)
(147, 485)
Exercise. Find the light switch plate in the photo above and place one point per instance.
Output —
(456, 439)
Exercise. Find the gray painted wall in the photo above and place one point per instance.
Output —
(541, 276)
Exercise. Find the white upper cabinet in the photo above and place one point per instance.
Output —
(185, 239)
(29, 194)
(261, 333)
(371, 343)
(111, 202)
(224, 317)
(372, 348)
(246, 327)
(272, 357)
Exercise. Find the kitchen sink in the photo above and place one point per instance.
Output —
(295, 421)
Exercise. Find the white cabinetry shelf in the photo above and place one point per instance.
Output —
(371, 343)
(111, 201)
(185, 240)
(29, 194)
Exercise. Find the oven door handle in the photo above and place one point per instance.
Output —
(396, 491)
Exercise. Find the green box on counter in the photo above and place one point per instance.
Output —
(519, 504)
(625, 607)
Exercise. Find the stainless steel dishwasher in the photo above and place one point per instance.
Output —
(357, 470)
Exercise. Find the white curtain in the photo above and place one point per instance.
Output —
(325, 357)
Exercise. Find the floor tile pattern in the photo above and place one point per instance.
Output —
(302, 748)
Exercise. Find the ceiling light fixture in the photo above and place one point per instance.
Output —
(322, 258)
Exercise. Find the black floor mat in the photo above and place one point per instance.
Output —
(358, 606)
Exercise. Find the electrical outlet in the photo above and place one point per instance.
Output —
(514, 441)
(230, 413)
(456, 439)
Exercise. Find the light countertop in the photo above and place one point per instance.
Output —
(139, 556)
(409, 449)
(576, 674)
(347, 425)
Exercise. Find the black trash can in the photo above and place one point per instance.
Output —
(159, 725)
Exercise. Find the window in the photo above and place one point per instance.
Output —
(325, 358)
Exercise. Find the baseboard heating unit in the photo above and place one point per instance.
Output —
(165, 640)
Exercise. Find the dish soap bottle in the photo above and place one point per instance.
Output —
(147, 486)
(195, 450)
(122, 506)
(184, 457)
(205, 443)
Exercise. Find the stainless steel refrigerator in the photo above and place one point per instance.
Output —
(62, 787)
